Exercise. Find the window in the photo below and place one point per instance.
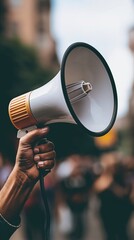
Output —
(15, 3)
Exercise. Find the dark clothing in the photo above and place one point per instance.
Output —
(116, 206)
(7, 229)
(115, 213)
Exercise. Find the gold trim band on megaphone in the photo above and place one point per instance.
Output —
(20, 112)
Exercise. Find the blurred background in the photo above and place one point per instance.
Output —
(91, 188)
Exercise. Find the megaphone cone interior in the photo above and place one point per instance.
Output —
(82, 93)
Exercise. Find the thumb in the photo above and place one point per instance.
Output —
(34, 135)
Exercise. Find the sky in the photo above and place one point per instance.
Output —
(104, 24)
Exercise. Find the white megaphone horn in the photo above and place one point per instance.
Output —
(83, 93)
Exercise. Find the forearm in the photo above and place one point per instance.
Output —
(14, 194)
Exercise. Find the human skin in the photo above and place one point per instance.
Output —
(30, 158)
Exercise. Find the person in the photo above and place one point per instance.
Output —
(113, 188)
(30, 159)
(74, 183)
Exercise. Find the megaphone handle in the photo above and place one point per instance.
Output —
(42, 174)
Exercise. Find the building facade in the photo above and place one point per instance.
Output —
(29, 20)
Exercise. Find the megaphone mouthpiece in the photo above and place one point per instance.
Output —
(78, 90)
(87, 87)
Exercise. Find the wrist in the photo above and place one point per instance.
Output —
(25, 175)
(31, 174)
(14, 194)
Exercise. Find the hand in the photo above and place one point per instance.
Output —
(30, 158)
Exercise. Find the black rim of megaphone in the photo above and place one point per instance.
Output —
(91, 48)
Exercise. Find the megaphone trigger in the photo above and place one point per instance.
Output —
(24, 131)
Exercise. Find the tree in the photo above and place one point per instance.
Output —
(20, 72)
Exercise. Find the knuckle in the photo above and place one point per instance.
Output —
(46, 147)
(48, 155)
(51, 145)
(49, 163)
(54, 154)
(21, 141)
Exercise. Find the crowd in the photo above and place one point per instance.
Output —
(111, 179)
(70, 187)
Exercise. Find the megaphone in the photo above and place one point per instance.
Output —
(83, 92)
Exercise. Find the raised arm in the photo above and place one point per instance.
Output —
(29, 159)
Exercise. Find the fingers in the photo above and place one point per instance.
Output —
(45, 156)
(49, 164)
(43, 153)
(46, 147)
(34, 135)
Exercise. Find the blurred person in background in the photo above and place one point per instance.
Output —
(113, 188)
(5, 169)
(22, 179)
(74, 182)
